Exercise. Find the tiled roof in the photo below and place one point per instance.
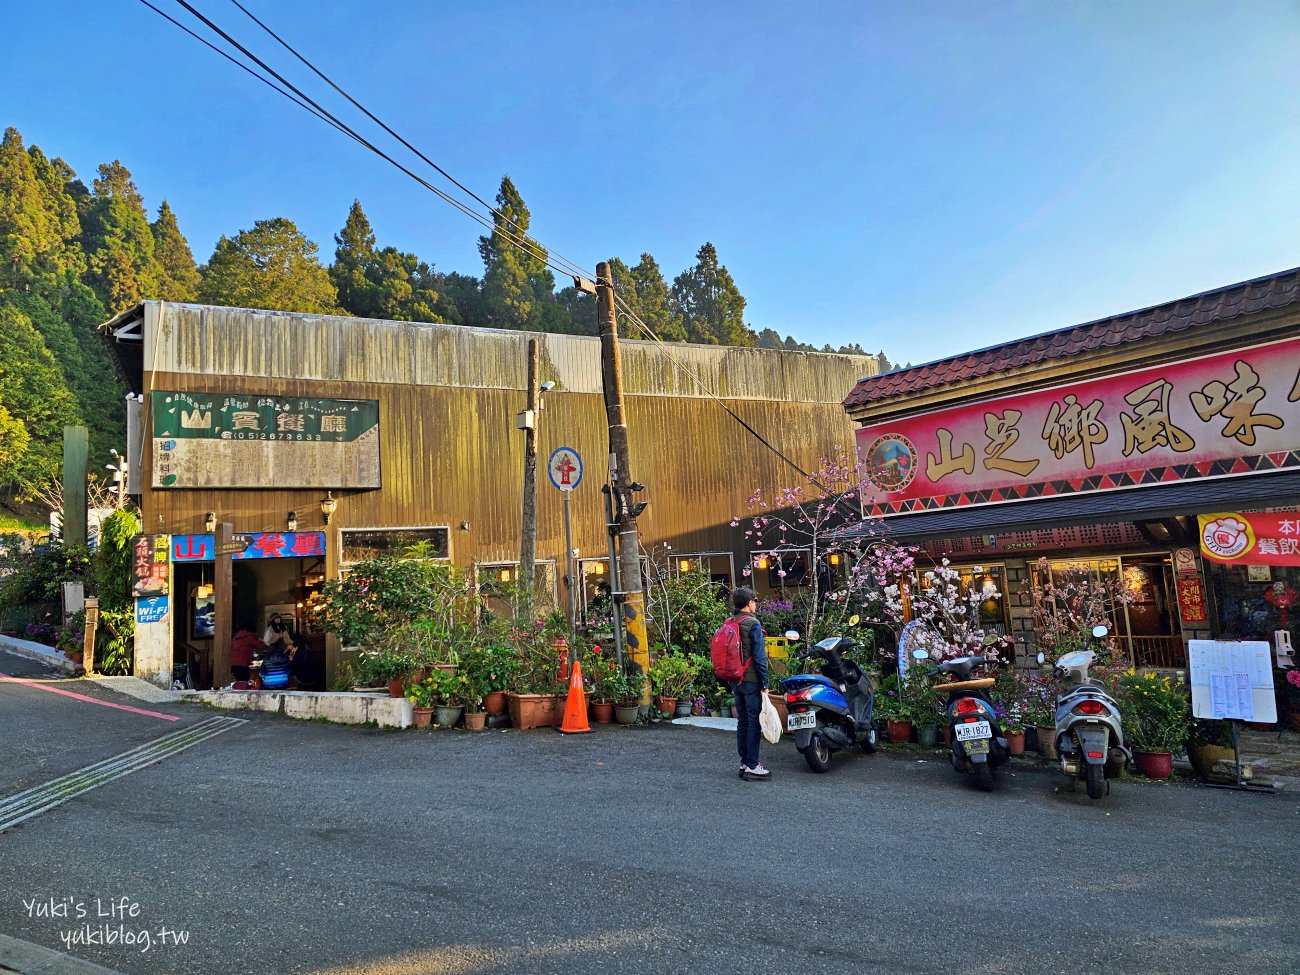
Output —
(1248, 297)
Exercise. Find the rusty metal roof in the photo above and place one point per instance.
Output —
(1248, 297)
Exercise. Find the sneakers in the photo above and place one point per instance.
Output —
(756, 774)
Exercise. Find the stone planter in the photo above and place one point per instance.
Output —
(447, 717)
(1203, 758)
(683, 709)
(1154, 765)
(626, 714)
(1047, 742)
(475, 720)
(422, 717)
(928, 735)
(899, 732)
(1016, 742)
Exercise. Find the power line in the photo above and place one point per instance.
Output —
(374, 118)
(528, 244)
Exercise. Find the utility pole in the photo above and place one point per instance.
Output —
(527, 421)
(631, 601)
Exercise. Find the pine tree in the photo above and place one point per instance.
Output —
(706, 301)
(515, 277)
(270, 266)
(33, 393)
(30, 237)
(769, 339)
(179, 280)
(353, 254)
(61, 210)
(118, 242)
(653, 301)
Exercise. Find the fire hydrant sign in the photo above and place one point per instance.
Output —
(565, 467)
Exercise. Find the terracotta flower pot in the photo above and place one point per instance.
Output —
(602, 712)
(1154, 765)
(899, 732)
(1016, 742)
(422, 717)
(494, 702)
(1047, 741)
(475, 720)
(530, 710)
(668, 705)
(395, 687)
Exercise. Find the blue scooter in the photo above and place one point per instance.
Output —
(832, 709)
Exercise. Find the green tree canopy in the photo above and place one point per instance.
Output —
(383, 283)
(179, 277)
(706, 301)
(652, 300)
(32, 391)
(516, 279)
(118, 241)
(30, 237)
(273, 265)
(354, 251)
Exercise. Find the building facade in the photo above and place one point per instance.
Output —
(322, 440)
(1121, 447)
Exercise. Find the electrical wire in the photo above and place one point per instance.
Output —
(525, 242)
(383, 125)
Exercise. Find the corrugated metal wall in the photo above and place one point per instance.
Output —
(450, 452)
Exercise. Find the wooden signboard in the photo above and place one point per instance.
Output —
(217, 440)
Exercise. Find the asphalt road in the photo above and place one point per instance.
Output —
(294, 847)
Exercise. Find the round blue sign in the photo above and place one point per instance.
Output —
(565, 468)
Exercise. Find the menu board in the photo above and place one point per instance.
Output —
(151, 565)
(1232, 680)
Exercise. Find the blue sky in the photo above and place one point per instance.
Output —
(928, 178)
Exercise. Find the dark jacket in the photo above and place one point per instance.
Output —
(753, 645)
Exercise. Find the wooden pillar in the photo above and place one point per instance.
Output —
(223, 591)
(333, 539)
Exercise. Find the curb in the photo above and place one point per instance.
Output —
(41, 653)
(25, 958)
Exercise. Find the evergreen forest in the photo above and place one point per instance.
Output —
(72, 256)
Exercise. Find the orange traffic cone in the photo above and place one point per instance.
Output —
(575, 708)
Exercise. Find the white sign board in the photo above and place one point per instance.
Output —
(1232, 680)
(565, 467)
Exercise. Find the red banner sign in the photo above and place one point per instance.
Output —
(1224, 415)
(151, 566)
(1191, 600)
(1251, 539)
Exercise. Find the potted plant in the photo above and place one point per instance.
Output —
(383, 668)
(671, 675)
(1157, 719)
(475, 716)
(1210, 741)
(1036, 711)
(450, 689)
(626, 693)
(491, 664)
(535, 698)
(894, 710)
(421, 696)
(600, 670)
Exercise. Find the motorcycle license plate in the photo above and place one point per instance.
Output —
(974, 730)
(804, 719)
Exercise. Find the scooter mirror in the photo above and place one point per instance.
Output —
(792, 634)
(1100, 630)
(1040, 658)
(853, 620)
(919, 654)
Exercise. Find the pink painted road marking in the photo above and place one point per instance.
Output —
(93, 700)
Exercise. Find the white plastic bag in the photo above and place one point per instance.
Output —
(769, 721)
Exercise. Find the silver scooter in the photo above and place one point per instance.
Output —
(1089, 734)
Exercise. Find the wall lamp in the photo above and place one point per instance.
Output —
(328, 506)
(291, 523)
(210, 522)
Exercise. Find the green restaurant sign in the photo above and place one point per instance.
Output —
(225, 440)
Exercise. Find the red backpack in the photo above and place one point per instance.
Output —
(729, 663)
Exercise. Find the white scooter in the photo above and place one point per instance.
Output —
(1089, 733)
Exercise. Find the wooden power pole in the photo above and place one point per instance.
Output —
(631, 601)
(528, 532)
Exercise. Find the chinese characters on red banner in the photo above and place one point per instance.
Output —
(1186, 415)
(151, 566)
(1251, 538)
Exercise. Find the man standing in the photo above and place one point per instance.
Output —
(749, 691)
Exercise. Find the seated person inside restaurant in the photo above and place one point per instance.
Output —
(242, 648)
